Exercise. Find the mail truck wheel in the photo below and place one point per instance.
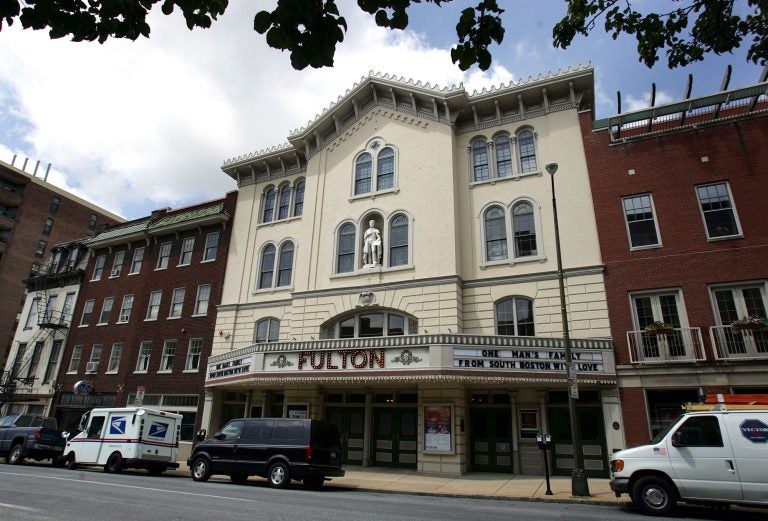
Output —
(16, 455)
(201, 469)
(654, 496)
(279, 474)
(71, 463)
(114, 463)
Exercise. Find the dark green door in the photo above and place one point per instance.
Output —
(491, 439)
(351, 424)
(394, 437)
(590, 420)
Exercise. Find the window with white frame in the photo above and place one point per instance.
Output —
(267, 269)
(514, 317)
(18, 360)
(185, 258)
(32, 314)
(50, 306)
(656, 307)
(153, 306)
(659, 307)
(211, 246)
(125, 309)
(371, 324)
(522, 232)
(98, 267)
(502, 148)
(169, 353)
(526, 145)
(34, 361)
(163, 256)
(641, 224)
(363, 169)
(267, 330)
(284, 202)
(138, 259)
(385, 169)
(193, 354)
(74, 361)
(202, 298)
(93, 363)
(745, 301)
(117, 264)
(524, 229)
(375, 169)
(717, 208)
(53, 361)
(177, 303)
(495, 234)
(87, 312)
(106, 310)
(114, 357)
(285, 265)
(267, 278)
(145, 351)
(298, 199)
(69, 305)
(479, 153)
(345, 254)
(398, 241)
(268, 213)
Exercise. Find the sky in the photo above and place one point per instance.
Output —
(134, 126)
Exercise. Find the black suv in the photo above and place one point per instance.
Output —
(278, 449)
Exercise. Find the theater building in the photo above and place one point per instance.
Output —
(393, 271)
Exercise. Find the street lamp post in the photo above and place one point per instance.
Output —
(579, 485)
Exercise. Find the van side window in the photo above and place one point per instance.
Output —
(701, 431)
(232, 429)
(290, 431)
(257, 431)
(97, 424)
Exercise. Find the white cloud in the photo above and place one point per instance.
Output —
(643, 101)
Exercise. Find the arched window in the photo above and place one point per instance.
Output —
(267, 330)
(285, 269)
(385, 169)
(269, 206)
(503, 156)
(524, 226)
(363, 174)
(345, 262)
(514, 317)
(267, 271)
(527, 148)
(495, 234)
(298, 201)
(479, 160)
(398, 241)
(285, 202)
(372, 324)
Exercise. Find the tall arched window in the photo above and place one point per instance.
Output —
(267, 271)
(479, 160)
(285, 269)
(503, 156)
(298, 201)
(363, 174)
(285, 202)
(514, 317)
(385, 169)
(398, 241)
(524, 226)
(527, 148)
(267, 330)
(269, 206)
(371, 324)
(495, 234)
(345, 256)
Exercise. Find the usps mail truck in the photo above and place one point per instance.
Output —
(126, 437)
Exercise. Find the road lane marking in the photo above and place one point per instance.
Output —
(17, 507)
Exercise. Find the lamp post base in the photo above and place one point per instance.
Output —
(579, 485)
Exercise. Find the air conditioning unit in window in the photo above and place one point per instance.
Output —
(115, 272)
(91, 367)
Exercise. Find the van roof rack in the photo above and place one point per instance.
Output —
(730, 402)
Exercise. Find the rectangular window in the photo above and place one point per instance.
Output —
(211, 246)
(93, 364)
(53, 361)
(169, 352)
(37, 350)
(153, 308)
(74, 362)
(17, 361)
(163, 255)
(114, 357)
(49, 307)
(48, 226)
(69, 305)
(739, 304)
(98, 267)
(186, 251)
(177, 303)
(718, 211)
(117, 264)
(201, 302)
(193, 354)
(40, 251)
(92, 221)
(32, 315)
(138, 258)
(641, 223)
(55, 203)
(106, 310)
(145, 350)
(87, 312)
(125, 309)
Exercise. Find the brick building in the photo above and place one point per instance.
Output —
(34, 215)
(144, 322)
(679, 195)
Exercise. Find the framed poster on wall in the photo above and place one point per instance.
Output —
(438, 429)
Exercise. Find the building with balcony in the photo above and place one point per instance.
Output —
(679, 191)
(144, 321)
(393, 271)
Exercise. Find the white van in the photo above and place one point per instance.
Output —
(715, 457)
(125, 437)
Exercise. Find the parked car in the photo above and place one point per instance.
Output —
(279, 449)
(30, 436)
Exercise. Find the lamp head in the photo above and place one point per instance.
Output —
(551, 168)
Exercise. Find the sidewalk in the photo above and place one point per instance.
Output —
(474, 485)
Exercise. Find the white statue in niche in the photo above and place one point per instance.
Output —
(372, 245)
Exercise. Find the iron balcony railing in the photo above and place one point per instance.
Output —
(680, 345)
(744, 344)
